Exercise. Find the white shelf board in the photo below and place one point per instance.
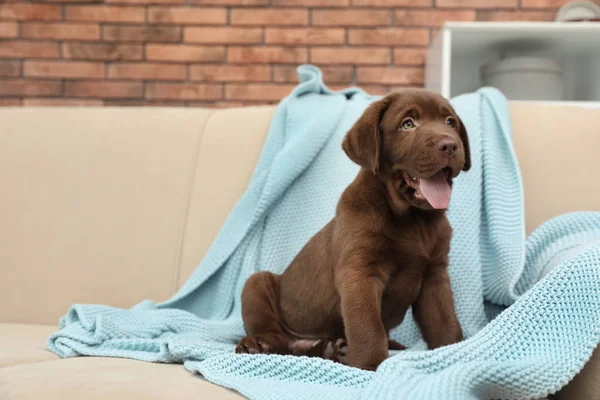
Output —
(562, 38)
(584, 104)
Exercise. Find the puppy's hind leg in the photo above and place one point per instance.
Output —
(393, 345)
(260, 305)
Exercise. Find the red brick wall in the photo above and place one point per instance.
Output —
(221, 52)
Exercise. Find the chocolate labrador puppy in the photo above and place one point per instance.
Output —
(385, 250)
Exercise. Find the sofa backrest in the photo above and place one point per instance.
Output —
(558, 147)
(114, 205)
(117, 205)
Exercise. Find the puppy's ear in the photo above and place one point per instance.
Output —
(465, 140)
(362, 143)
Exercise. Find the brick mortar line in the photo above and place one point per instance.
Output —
(22, 96)
(78, 79)
(327, 7)
(182, 26)
(84, 79)
(59, 43)
(249, 26)
(121, 62)
(178, 81)
(337, 46)
(171, 42)
(83, 21)
(61, 61)
(193, 63)
(58, 23)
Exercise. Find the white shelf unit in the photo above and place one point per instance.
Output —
(460, 49)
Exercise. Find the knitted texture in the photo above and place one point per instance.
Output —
(543, 330)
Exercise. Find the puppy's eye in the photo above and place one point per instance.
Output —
(408, 123)
(451, 122)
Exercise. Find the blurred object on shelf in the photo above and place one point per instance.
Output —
(577, 11)
(525, 78)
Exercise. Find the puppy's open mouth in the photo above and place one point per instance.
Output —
(435, 189)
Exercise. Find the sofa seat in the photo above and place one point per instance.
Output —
(24, 344)
(28, 370)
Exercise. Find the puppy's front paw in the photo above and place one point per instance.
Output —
(368, 358)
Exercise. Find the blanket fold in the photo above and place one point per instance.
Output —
(529, 308)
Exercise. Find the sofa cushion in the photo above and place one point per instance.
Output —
(28, 370)
(94, 203)
(231, 145)
(22, 344)
(105, 378)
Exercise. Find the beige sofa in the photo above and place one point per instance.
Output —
(93, 199)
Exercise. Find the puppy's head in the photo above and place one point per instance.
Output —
(414, 139)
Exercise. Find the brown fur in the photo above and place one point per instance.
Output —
(384, 251)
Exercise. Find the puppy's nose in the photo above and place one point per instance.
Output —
(448, 146)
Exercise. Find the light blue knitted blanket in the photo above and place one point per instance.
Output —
(530, 349)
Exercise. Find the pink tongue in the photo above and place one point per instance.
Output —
(436, 190)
